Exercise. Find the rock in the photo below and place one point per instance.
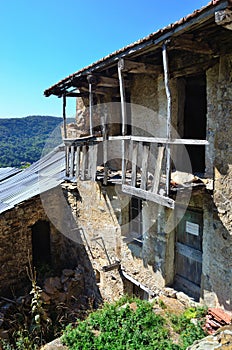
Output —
(52, 285)
(185, 299)
(170, 292)
(54, 345)
(180, 177)
(222, 340)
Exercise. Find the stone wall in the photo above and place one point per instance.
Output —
(16, 248)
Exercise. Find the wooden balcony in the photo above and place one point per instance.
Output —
(145, 167)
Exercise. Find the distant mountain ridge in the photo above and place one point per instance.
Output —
(22, 140)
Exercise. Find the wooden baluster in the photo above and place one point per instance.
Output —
(145, 155)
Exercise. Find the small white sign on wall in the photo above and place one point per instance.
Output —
(192, 228)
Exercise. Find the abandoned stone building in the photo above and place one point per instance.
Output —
(147, 182)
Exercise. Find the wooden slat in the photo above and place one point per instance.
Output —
(77, 162)
(158, 164)
(72, 161)
(150, 196)
(171, 141)
(134, 146)
(92, 162)
(84, 162)
(67, 160)
(145, 154)
(189, 252)
(140, 67)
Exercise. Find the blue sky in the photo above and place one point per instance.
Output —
(45, 41)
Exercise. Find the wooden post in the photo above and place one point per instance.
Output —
(72, 161)
(65, 136)
(77, 162)
(105, 144)
(90, 109)
(64, 116)
(169, 110)
(123, 112)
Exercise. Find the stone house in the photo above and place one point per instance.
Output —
(28, 235)
(143, 184)
(151, 158)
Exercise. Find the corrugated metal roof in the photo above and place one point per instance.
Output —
(8, 172)
(134, 46)
(43, 175)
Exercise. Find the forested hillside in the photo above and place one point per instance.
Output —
(22, 139)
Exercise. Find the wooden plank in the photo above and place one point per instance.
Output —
(145, 154)
(187, 286)
(123, 112)
(134, 146)
(105, 144)
(150, 196)
(169, 111)
(190, 44)
(189, 252)
(67, 160)
(64, 116)
(90, 109)
(72, 161)
(77, 162)
(158, 164)
(94, 151)
(107, 81)
(170, 142)
(77, 94)
(140, 67)
(84, 162)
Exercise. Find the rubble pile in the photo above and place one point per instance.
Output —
(64, 294)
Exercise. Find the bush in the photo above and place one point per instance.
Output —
(117, 327)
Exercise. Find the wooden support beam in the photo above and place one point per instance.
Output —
(169, 111)
(107, 81)
(190, 44)
(64, 116)
(123, 112)
(90, 109)
(145, 154)
(140, 67)
(77, 94)
(150, 196)
(105, 144)
(158, 164)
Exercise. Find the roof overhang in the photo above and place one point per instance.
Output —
(152, 42)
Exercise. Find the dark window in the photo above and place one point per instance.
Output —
(136, 219)
(195, 119)
(41, 243)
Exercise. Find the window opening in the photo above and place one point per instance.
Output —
(41, 249)
(195, 119)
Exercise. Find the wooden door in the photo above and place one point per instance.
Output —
(188, 255)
